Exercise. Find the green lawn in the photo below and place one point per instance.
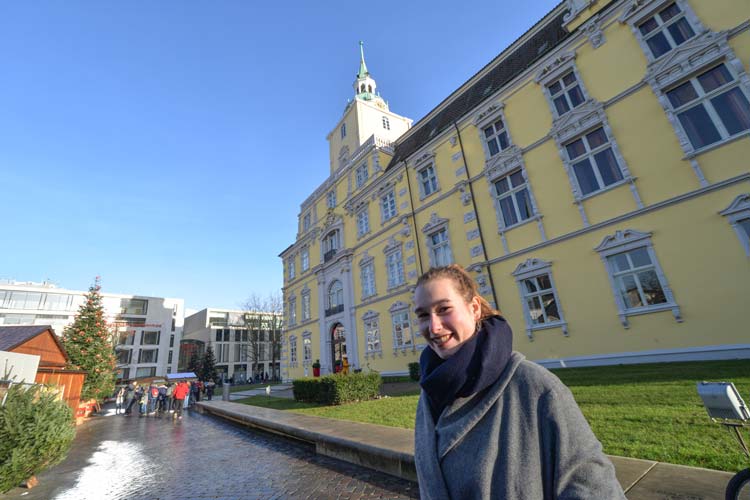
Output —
(642, 411)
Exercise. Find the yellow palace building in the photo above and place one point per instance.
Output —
(594, 177)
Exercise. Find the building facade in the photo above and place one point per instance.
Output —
(146, 330)
(593, 177)
(246, 344)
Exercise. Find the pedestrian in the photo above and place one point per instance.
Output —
(210, 389)
(195, 392)
(119, 398)
(489, 423)
(170, 396)
(161, 402)
(153, 397)
(142, 395)
(130, 397)
(180, 393)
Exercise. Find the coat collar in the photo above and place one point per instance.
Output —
(461, 416)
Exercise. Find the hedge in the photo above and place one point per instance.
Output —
(414, 371)
(36, 431)
(337, 389)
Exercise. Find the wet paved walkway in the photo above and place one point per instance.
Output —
(200, 457)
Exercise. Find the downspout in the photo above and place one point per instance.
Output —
(414, 222)
(476, 213)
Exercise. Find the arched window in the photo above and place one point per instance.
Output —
(335, 295)
(369, 88)
(362, 88)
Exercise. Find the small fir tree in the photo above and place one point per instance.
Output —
(88, 343)
(208, 371)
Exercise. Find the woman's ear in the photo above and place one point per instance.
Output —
(476, 308)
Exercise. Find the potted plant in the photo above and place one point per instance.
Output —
(316, 368)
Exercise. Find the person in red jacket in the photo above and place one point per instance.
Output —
(179, 398)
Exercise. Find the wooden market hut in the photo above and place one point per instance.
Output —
(40, 340)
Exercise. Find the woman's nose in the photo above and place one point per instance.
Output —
(435, 324)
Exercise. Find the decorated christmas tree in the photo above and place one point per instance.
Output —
(209, 364)
(88, 343)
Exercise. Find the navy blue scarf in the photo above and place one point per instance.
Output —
(474, 367)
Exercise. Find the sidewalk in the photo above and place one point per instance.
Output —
(391, 450)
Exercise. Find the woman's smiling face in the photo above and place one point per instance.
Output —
(446, 320)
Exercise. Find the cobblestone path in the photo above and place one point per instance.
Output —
(200, 457)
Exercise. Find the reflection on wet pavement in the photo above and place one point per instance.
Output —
(200, 457)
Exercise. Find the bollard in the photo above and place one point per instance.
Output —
(225, 392)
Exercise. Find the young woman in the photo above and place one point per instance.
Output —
(489, 423)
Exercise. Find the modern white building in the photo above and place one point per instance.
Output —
(242, 342)
(147, 330)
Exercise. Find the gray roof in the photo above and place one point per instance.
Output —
(13, 336)
(537, 46)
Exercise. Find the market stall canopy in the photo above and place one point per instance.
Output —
(181, 376)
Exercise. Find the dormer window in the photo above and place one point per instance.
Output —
(666, 30)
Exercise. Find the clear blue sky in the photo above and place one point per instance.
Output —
(167, 145)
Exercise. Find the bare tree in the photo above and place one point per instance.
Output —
(264, 320)
(276, 322)
(252, 318)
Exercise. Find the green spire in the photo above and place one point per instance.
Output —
(363, 73)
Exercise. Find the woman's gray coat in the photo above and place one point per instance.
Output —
(522, 438)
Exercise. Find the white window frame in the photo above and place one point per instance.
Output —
(554, 72)
(292, 311)
(738, 212)
(635, 15)
(394, 265)
(705, 100)
(363, 221)
(371, 330)
(293, 350)
(589, 154)
(386, 123)
(487, 118)
(388, 209)
(626, 241)
(291, 267)
(698, 54)
(427, 180)
(401, 318)
(367, 277)
(330, 243)
(305, 259)
(435, 226)
(306, 221)
(306, 348)
(306, 313)
(512, 194)
(362, 174)
(331, 198)
(337, 295)
(534, 269)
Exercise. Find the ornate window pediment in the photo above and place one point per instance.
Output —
(488, 114)
(398, 306)
(503, 162)
(531, 266)
(621, 238)
(575, 7)
(555, 68)
(700, 51)
(423, 159)
(370, 315)
(577, 120)
(738, 215)
(434, 224)
(391, 245)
